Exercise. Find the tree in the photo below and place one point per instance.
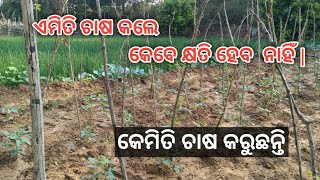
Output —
(183, 10)
(11, 9)
(281, 10)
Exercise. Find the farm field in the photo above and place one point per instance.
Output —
(159, 90)
(86, 52)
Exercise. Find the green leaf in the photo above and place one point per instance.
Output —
(166, 162)
(103, 160)
(6, 133)
(18, 143)
(109, 174)
(100, 164)
(13, 136)
(13, 153)
(26, 140)
(14, 110)
(92, 160)
(92, 166)
(177, 169)
(10, 118)
(13, 69)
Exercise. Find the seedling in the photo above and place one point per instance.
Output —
(9, 110)
(309, 174)
(136, 91)
(12, 77)
(100, 169)
(129, 119)
(201, 104)
(245, 121)
(166, 107)
(64, 79)
(184, 111)
(14, 141)
(138, 72)
(268, 93)
(89, 100)
(87, 134)
(86, 76)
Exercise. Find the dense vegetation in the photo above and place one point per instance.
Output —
(163, 11)
(86, 53)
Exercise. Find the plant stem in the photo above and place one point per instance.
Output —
(197, 23)
(108, 90)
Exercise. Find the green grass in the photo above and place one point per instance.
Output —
(86, 51)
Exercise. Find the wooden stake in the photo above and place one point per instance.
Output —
(108, 90)
(36, 104)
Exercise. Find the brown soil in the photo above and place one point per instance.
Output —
(66, 157)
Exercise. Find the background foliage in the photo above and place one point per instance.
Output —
(162, 10)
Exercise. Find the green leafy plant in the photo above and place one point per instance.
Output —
(129, 119)
(87, 134)
(9, 113)
(87, 107)
(86, 76)
(118, 71)
(138, 72)
(9, 110)
(12, 77)
(297, 81)
(166, 107)
(184, 111)
(201, 104)
(136, 90)
(100, 168)
(269, 93)
(309, 174)
(93, 101)
(14, 141)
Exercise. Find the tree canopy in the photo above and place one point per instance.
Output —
(181, 10)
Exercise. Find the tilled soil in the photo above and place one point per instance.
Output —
(66, 156)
